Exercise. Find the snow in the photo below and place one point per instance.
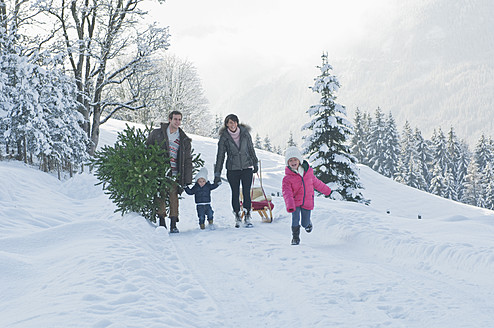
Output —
(67, 260)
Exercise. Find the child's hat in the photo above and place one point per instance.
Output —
(203, 173)
(291, 152)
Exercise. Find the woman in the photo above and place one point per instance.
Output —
(236, 142)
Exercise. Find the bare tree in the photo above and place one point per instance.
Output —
(174, 84)
(182, 90)
(16, 18)
(105, 44)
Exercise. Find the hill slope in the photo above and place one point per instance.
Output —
(68, 261)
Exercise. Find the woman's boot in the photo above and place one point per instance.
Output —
(247, 219)
(238, 219)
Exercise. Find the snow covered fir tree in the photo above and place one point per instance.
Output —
(443, 165)
(39, 123)
(327, 147)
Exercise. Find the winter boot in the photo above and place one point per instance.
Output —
(211, 225)
(238, 219)
(202, 226)
(173, 225)
(296, 234)
(308, 229)
(161, 220)
(247, 219)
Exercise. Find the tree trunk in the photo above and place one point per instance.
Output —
(24, 150)
(95, 131)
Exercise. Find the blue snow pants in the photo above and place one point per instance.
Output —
(203, 211)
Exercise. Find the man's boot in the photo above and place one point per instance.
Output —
(161, 221)
(173, 224)
(296, 235)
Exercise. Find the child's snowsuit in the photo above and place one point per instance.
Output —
(202, 196)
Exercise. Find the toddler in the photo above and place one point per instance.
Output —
(202, 191)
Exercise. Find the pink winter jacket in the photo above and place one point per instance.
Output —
(299, 192)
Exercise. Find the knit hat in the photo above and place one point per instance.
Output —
(291, 152)
(203, 173)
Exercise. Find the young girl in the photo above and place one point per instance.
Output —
(298, 191)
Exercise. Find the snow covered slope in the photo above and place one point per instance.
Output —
(67, 260)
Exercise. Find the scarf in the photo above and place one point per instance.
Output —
(235, 136)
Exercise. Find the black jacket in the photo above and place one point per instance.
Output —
(238, 158)
(202, 194)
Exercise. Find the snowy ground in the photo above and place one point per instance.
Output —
(66, 260)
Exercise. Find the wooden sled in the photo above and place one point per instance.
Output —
(260, 202)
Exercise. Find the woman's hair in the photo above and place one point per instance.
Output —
(232, 117)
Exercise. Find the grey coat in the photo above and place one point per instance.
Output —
(184, 159)
(238, 158)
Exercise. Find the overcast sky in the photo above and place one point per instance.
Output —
(233, 43)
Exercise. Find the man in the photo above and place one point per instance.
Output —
(178, 148)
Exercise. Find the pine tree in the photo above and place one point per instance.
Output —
(218, 124)
(472, 189)
(359, 138)
(267, 144)
(133, 174)
(462, 167)
(376, 142)
(407, 150)
(489, 187)
(278, 150)
(438, 182)
(41, 119)
(291, 142)
(327, 144)
(258, 142)
(483, 158)
(367, 124)
(409, 169)
(483, 153)
(391, 147)
(450, 190)
(440, 151)
(415, 178)
(456, 173)
(424, 154)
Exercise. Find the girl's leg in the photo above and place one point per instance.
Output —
(296, 226)
(305, 217)
(246, 185)
(234, 182)
(296, 217)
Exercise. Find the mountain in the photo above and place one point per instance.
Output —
(430, 62)
(67, 260)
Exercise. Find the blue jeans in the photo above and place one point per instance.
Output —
(305, 217)
(203, 211)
